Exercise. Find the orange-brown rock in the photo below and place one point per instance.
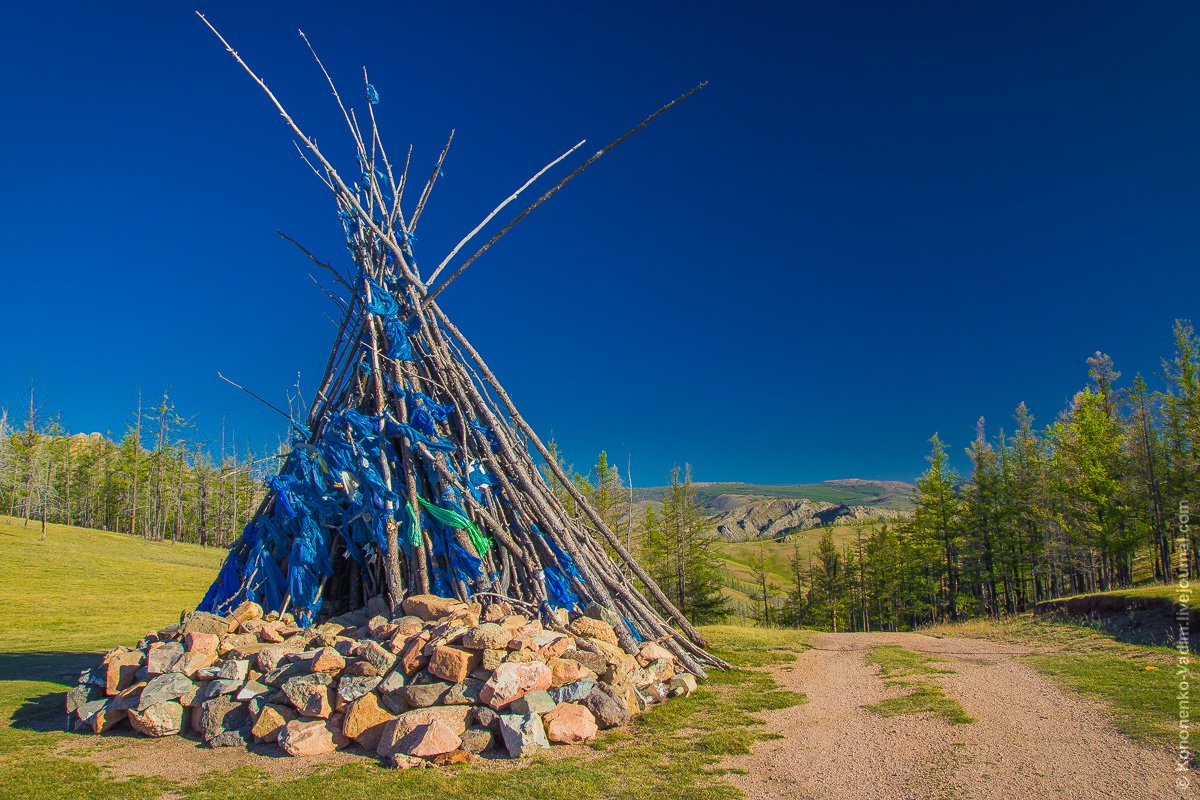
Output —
(570, 724)
(365, 720)
(512, 680)
(452, 663)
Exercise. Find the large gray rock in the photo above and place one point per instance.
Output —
(393, 681)
(376, 655)
(282, 674)
(355, 686)
(94, 677)
(391, 691)
(424, 695)
(160, 719)
(597, 611)
(523, 734)
(539, 702)
(477, 740)
(486, 717)
(251, 690)
(204, 622)
(311, 694)
(162, 657)
(165, 687)
(464, 694)
(81, 694)
(217, 688)
(572, 692)
(234, 669)
(607, 711)
(223, 722)
(86, 712)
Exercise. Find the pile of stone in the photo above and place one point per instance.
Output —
(442, 683)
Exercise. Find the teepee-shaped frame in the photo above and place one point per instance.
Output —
(412, 472)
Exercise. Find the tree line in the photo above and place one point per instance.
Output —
(159, 480)
(671, 541)
(1090, 502)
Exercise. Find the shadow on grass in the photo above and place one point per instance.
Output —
(44, 712)
(53, 667)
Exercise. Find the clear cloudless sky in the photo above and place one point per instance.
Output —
(880, 220)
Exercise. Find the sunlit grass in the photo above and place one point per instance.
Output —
(90, 590)
(85, 591)
(901, 667)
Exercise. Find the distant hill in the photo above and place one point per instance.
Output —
(775, 517)
(718, 498)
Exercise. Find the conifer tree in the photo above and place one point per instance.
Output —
(1088, 470)
(1146, 476)
(762, 590)
(605, 491)
(693, 568)
(936, 532)
(829, 583)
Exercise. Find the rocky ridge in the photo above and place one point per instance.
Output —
(770, 518)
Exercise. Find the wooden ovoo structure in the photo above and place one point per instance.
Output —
(412, 473)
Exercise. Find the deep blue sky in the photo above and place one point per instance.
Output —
(880, 219)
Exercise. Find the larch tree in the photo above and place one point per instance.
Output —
(935, 526)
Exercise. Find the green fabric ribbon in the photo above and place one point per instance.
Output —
(454, 519)
(414, 529)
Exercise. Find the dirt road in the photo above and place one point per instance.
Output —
(1029, 739)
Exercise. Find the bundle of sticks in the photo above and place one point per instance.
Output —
(413, 471)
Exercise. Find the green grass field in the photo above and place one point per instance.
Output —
(82, 592)
(64, 600)
(1165, 591)
(85, 590)
(778, 552)
(901, 667)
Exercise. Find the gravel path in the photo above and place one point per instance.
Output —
(1029, 738)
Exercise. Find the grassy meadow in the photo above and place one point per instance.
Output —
(81, 592)
(1163, 591)
(740, 560)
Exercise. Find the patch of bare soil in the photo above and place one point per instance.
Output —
(1029, 739)
(187, 760)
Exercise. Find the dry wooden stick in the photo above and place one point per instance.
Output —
(323, 264)
(437, 170)
(613, 540)
(433, 275)
(343, 190)
(549, 193)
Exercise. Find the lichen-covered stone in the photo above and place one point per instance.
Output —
(223, 722)
(161, 688)
(488, 636)
(523, 734)
(158, 720)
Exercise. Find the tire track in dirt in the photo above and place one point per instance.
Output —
(1029, 740)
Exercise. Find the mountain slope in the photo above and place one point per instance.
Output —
(772, 517)
(721, 497)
